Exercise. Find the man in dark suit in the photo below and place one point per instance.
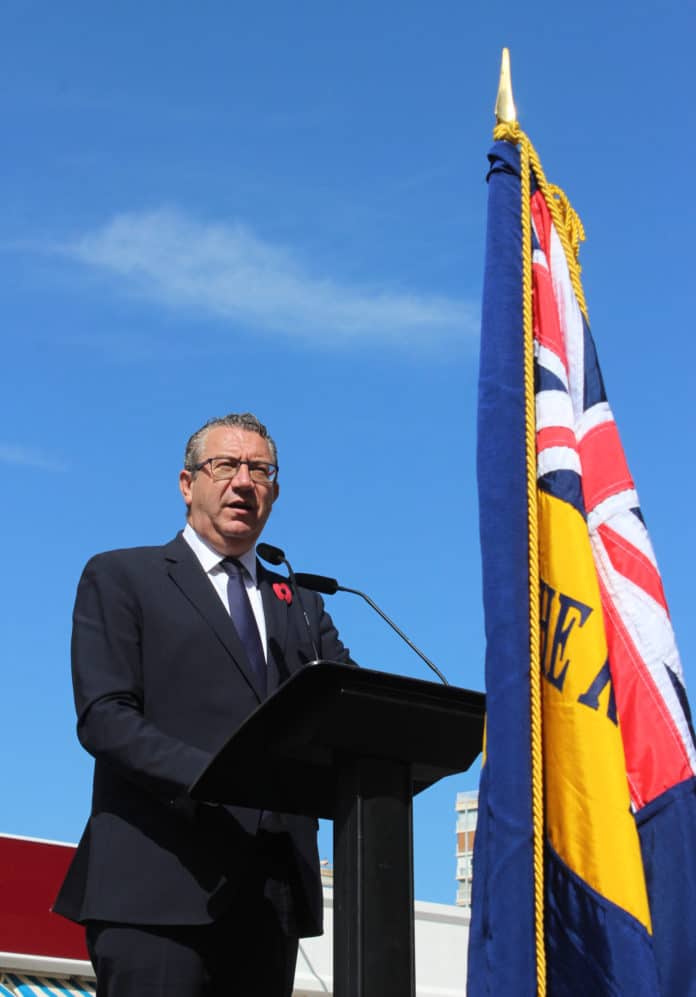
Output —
(173, 647)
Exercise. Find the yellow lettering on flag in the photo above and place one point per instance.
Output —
(588, 817)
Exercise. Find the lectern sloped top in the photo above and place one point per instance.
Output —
(286, 755)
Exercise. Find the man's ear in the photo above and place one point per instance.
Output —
(185, 479)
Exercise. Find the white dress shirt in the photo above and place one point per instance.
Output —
(211, 562)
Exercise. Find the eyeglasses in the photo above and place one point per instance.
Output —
(225, 468)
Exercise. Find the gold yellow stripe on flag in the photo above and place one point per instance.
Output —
(588, 817)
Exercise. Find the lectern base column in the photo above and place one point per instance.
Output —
(373, 880)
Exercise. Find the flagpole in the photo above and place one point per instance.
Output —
(507, 127)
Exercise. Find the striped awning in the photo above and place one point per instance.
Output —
(18, 985)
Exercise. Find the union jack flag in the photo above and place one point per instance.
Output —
(577, 435)
(571, 583)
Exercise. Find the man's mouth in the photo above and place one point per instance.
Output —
(240, 506)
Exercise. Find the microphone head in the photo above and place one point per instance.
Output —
(267, 552)
(317, 583)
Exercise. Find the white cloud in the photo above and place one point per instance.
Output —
(227, 271)
(27, 457)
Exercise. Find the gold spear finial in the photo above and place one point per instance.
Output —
(505, 110)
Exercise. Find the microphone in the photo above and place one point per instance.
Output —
(276, 556)
(318, 583)
(329, 586)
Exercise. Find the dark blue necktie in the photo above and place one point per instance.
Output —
(244, 620)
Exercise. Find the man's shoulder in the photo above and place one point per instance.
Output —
(129, 557)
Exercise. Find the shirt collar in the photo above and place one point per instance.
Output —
(211, 559)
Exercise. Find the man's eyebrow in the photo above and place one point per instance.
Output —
(232, 456)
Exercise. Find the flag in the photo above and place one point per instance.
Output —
(585, 853)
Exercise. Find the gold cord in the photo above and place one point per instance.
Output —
(571, 233)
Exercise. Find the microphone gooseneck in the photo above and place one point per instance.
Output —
(328, 586)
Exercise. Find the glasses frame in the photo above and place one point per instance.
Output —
(252, 465)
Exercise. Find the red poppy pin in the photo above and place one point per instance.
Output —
(282, 591)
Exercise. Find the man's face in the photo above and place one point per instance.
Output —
(231, 514)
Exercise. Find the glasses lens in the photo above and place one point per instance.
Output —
(223, 468)
(261, 472)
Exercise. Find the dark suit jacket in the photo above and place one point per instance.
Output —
(161, 680)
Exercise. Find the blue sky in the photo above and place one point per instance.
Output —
(282, 208)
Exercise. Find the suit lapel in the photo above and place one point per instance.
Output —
(187, 574)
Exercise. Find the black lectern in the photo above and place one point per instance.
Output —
(354, 745)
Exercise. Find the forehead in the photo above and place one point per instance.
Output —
(233, 441)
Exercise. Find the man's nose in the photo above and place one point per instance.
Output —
(242, 478)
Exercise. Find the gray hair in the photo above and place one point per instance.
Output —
(244, 420)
